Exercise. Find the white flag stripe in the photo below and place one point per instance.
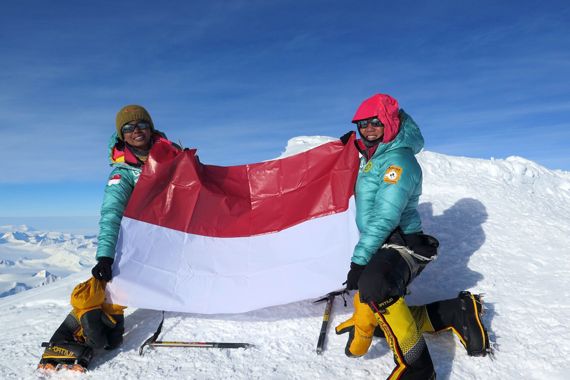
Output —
(163, 269)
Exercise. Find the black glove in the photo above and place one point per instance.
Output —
(103, 271)
(353, 276)
(344, 138)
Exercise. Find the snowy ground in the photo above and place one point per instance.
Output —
(504, 231)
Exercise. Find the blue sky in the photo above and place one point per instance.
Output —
(237, 79)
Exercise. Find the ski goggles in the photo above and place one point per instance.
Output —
(375, 122)
(129, 128)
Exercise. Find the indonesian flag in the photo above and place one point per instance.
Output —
(210, 239)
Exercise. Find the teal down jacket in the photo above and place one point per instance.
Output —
(387, 190)
(118, 191)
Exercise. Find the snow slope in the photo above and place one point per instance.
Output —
(504, 231)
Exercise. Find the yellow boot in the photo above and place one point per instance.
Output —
(360, 328)
(411, 355)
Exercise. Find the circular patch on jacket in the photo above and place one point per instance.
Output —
(368, 167)
(393, 174)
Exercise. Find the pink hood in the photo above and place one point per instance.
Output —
(385, 108)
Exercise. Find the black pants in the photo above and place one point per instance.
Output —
(385, 277)
(394, 267)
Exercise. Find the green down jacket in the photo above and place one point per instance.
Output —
(387, 190)
(122, 180)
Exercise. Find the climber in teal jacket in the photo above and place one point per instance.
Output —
(393, 250)
(389, 181)
(129, 148)
(388, 187)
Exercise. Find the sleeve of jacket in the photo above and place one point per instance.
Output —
(117, 194)
(389, 203)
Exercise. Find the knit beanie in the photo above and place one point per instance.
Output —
(131, 113)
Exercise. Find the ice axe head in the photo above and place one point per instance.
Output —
(332, 295)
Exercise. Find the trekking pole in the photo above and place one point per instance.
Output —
(326, 316)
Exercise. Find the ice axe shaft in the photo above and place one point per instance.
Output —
(326, 317)
(154, 342)
(159, 343)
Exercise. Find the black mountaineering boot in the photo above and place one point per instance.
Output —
(65, 355)
(462, 315)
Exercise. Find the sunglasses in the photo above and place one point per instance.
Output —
(129, 128)
(374, 122)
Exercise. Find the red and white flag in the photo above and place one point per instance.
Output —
(210, 239)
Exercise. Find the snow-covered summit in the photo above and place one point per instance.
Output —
(302, 143)
(514, 171)
(504, 231)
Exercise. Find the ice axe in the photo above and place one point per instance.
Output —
(154, 342)
(326, 316)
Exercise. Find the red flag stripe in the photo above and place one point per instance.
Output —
(178, 192)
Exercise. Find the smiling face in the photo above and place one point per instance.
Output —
(371, 129)
(139, 137)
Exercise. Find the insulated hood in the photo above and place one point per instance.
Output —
(385, 108)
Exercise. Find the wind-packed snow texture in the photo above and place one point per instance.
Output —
(504, 231)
